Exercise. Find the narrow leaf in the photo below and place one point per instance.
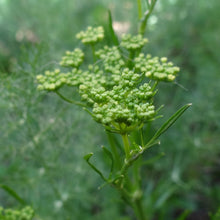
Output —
(112, 32)
(13, 194)
(151, 144)
(184, 215)
(164, 197)
(169, 122)
(109, 154)
(154, 159)
(87, 158)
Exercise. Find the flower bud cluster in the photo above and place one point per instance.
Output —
(117, 96)
(72, 59)
(133, 42)
(91, 35)
(26, 213)
(53, 80)
(125, 102)
(112, 59)
(155, 68)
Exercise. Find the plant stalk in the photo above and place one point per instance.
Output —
(93, 53)
(139, 9)
(68, 100)
(126, 145)
(138, 209)
(145, 17)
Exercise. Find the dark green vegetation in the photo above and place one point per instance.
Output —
(43, 139)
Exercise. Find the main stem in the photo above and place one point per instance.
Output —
(135, 202)
(126, 144)
(138, 208)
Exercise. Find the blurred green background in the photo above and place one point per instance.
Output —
(43, 139)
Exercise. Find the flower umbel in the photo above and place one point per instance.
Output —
(118, 95)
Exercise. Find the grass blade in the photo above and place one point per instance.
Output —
(13, 194)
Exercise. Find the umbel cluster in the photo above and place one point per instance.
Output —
(119, 86)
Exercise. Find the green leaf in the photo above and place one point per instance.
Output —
(87, 158)
(151, 144)
(109, 154)
(112, 32)
(169, 122)
(184, 215)
(164, 197)
(13, 194)
(154, 159)
(216, 216)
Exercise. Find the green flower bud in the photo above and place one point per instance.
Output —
(133, 42)
(91, 35)
(159, 70)
(72, 59)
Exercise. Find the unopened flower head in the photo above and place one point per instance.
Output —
(155, 68)
(72, 59)
(111, 58)
(53, 80)
(133, 42)
(91, 35)
(126, 102)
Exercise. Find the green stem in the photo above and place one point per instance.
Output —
(93, 53)
(146, 16)
(138, 209)
(139, 9)
(155, 85)
(126, 145)
(136, 172)
(68, 100)
(130, 59)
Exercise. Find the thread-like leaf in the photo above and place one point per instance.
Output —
(109, 154)
(169, 122)
(154, 159)
(164, 196)
(13, 194)
(151, 144)
(87, 158)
